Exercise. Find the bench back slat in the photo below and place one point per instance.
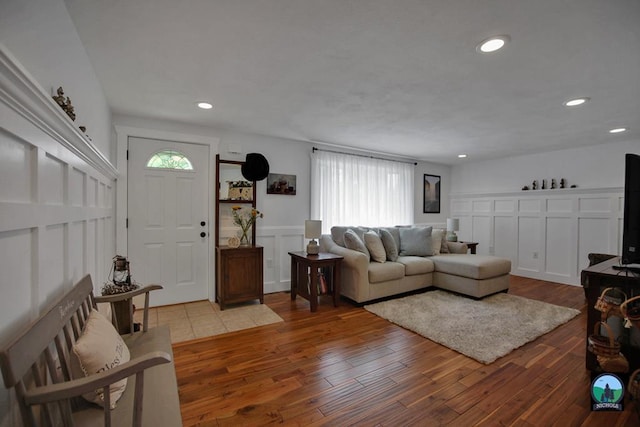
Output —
(17, 358)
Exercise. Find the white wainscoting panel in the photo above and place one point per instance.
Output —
(56, 201)
(558, 247)
(529, 236)
(547, 234)
(277, 242)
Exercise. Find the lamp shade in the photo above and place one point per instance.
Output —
(453, 224)
(312, 229)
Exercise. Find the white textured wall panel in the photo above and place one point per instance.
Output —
(504, 205)
(17, 168)
(18, 252)
(505, 237)
(529, 205)
(558, 246)
(549, 233)
(51, 173)
(594, 205)
(559, 205)
(594, 236)
(481, 206)
(482, 232)
(529, 237)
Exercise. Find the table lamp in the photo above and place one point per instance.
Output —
(313, 230)
(453, 225)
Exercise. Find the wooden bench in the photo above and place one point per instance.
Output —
(37, 366)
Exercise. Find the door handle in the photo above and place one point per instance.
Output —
(203, 234)
(202, 223)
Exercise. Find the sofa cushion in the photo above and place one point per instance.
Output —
(373, 242)
(383, 272)
(437, 235)
(353, 241)
(472, 266)
(415, 241)
(389, 243)
(414, 265)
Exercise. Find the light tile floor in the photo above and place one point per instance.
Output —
(204, 318)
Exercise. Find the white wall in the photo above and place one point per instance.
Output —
(547, 234)
(42, 36)
(598, 166)
(57, 192)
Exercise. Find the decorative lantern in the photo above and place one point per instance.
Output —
(121, 271)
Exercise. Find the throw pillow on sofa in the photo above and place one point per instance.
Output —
(444, 248)
(373, 242)
(353, 241)
(437, 235)
(389, 243)
(416, 241)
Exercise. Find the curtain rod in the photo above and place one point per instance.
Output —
(362, 155)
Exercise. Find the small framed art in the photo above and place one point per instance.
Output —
(431, 194)
(278, 183)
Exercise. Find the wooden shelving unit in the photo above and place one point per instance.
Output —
(239, 271)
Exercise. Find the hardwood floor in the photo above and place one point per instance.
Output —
(346, 366)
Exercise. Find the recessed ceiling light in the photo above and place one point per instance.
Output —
(492, 44)
(617, 130)
(462, 156)
(205, 105)
(575, 102)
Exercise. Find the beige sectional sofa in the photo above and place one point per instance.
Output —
(367, 275)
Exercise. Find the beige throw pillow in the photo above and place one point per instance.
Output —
(436, 240)
(374, 244)
(99, 348)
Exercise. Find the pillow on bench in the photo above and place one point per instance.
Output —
(98, 349)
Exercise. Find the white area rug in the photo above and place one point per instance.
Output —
(484, 330)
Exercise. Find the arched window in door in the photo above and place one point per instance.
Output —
(169, 159)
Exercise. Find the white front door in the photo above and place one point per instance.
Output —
(168, 221)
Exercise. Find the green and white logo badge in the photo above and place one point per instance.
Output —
(607, 392)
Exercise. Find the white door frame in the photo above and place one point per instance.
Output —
(122, 134)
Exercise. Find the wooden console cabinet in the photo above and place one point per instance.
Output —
(239, 275)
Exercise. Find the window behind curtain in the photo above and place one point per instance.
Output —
(355, 190)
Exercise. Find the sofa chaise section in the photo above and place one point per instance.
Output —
(364, 280)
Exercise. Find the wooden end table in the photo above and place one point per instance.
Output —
(305, 270)
(472, 246)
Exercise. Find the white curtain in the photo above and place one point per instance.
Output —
(356, 190)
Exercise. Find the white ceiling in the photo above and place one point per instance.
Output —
(389, 76)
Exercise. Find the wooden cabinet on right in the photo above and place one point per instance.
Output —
(239, 275)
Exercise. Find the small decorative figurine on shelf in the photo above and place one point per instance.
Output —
(534, 186)
(553, 183)
(562, 183)
(525, 188)
(65, 104)
(544, 184)
(59, 98)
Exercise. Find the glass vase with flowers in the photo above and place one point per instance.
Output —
(245, 218)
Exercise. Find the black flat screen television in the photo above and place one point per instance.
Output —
(631, 222)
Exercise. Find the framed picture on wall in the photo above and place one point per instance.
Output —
(431, 194)
(279, 183)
